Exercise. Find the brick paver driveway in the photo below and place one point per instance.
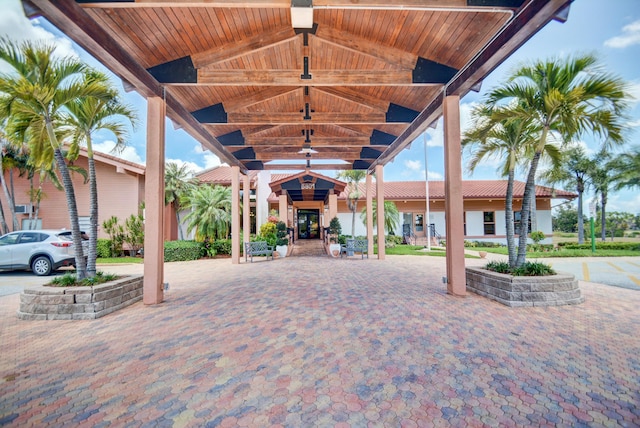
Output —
(325, 342)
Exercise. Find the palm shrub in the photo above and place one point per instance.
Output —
(134, 232)
(116, 234)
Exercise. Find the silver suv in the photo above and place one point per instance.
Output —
(42, 251)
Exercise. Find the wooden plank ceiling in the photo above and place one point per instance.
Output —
(358, 86)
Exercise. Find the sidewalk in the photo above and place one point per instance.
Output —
(324, 342)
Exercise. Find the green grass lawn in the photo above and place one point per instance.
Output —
(118, 260)
(416, 250)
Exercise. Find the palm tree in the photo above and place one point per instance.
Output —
(575, 171)
(88, 115)
(178, 181)
(34, 99)
(566, 98)
(391, 215)
(604, 175)
(507, 139)
(353, 178)
(210, 214)
(629, 169)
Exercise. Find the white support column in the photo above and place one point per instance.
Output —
(154, 204)
(456, 276)
(246, 208)
(369, 190)
(235, 215)
(380, 211)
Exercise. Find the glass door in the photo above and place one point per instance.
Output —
(308, 226)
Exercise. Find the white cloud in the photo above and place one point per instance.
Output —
(128, 153)
(433, 175)
(15, 26)
(624, 201)
(191, 166)
(630, 36)
(634, 91)
(413, 165)
(210, 159)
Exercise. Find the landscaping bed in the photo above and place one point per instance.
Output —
(79, 303)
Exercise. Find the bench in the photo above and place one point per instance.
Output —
(355, 246)
(257, 248)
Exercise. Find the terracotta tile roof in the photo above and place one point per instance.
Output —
(115, 161)
(471, 189)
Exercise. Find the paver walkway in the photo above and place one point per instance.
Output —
(306, 342)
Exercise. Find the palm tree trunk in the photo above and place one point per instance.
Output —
(3, 222)
(533, 210)
(603, 215)
(180, 232)
(10, 200)
(508, 216)
(526, 206)
(580, 218)
(81, 267)
(93, 217)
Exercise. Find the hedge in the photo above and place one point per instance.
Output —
(631, 246)
(175, 251)
(103, 248)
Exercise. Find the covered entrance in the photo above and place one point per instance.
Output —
(309, 224)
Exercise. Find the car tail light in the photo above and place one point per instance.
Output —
(62, 244)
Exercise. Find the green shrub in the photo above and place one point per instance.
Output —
(70, 280)
(470, 244)
(282, 238)
(103, 248)
(222, 246)
(528, 269)
(393, 240)
(175, 251)
(537, 236)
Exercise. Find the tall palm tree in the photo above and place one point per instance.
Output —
(34, 98)
(88, 115)
(604, 175)
(210, 214)
(508, 139)
(566, 98)
(353, 178)
(575, 171)
(391, 215)
(178, 182)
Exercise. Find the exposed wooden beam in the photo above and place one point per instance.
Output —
(243, 47)
(348, 156)
(319, 78)
(361, 45)
(302, 167)
(315, 141)
(355, 96)
(298, 119)
(259, 129)
(318, 4)
(248, 100)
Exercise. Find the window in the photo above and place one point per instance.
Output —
(517, 218)
(489, 223)
(419, 222)
(464, 219)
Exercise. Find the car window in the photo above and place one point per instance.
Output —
(29, 237)
(9, 239)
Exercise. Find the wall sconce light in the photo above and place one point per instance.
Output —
(301, 13)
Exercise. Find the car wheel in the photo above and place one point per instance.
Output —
(41, 266)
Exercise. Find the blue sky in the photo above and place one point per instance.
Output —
(610, 29)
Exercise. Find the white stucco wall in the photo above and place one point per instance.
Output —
(262, 195)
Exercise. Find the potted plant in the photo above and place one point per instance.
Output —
(335, 229)
(282, 239)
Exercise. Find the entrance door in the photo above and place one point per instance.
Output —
(308, 227)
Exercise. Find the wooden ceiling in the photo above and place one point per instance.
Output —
(358, 86)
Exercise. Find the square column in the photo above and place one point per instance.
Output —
(152, 291)
(454, 211)
(283, 204)
(235, 215)
(246, 208)
(333, 205)
(369, 196)
(380, 211)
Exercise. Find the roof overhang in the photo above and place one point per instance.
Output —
(307, 186)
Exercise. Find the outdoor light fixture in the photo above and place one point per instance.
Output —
(307, 150)
(301, 14)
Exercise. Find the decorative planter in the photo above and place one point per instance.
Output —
(551, 290)
(282, 250)
(482, 254)
(334, 250)
(79, 303)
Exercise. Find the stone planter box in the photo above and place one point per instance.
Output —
(79, 303)
(552, 290)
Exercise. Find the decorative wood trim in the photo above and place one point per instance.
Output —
(319, 78)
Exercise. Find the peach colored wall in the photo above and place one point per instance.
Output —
(118, 194)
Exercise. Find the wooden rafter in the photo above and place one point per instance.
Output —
(355, 96)
(319, 78)
(298, 119)
(266, 94)
(243, 47)
(299, 141)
